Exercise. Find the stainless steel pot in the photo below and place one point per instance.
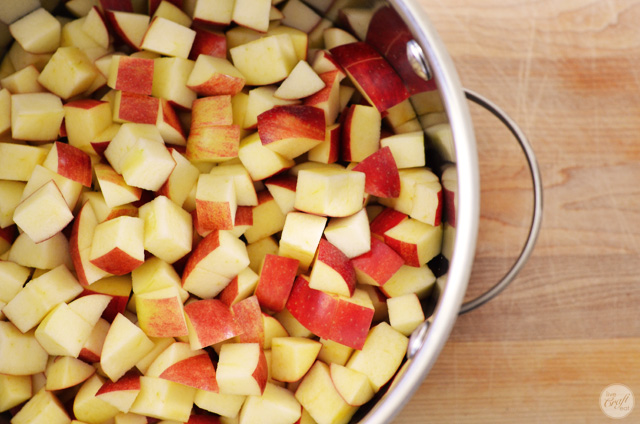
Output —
(428, 58)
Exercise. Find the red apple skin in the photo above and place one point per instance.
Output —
(335, 136)
(203, 419)
(218, 141)
(381, 174)
(449, 206)
(9, 233)
(117, 262)
(135, 75)
(197, 371)
(229, 294)
(244, 215)
(115, 27)
(212, 321)
(312, 308)
(138, 108)
(73, 163)
(74, 250)
(386, 220)
(169, 115)
(117, 5)
(249, 316)
(389, 35)
(129, 381)
(153, 5)
(329, 78)
(261, 373)
(204, 247)
(161, 323)
(335, 259)
(365, 65)
(276, 280)
(212, 43)
(381, 262)
(117, 304)
(328, 316)
(283, 180)
(291, 121)
(213, 215)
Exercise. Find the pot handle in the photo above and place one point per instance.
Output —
(536, 219)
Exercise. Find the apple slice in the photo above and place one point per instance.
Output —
(168, 38)
(242, 369)
(36, 116)
(70, 162)
(319, 397)
(292, 357)
(124, 345)
(351, 234)
(217, 259)
(118, 245)
(266, 60)
(213, 76)
(366, 68)
(381, 355)
(330, 191)
(21, 352)
(121, 393)
(378, 265)
(332, 271)
(276, 280)
(210, 321)
(45, 205)
(416, 242)
(302, 82)
(381, 171)
(164, 399)
(277, 405)
(353, 386)
(132, 74)
(37, 32)
(291, 130)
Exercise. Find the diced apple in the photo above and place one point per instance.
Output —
(299, 15)
(47, 254)
(382, 177)
(266, 60)
(276, 280)
(410, 279)
(14, 390)
(216, 12)
(160, 313)
(95, 26)
(260, 161)
(115, 190)
(350, 234)
(353, 386)
(17, 161)
(416, 242)
(252, 14)
(45, 205)
(378, 265)
(300, 237)
(277, 405)
(133, 107)
(132, 74)
(210, 321)
(37, 32)
(87, 407)
(208, 42)
(170, 78)
(224, 405)
(124, 345)
(381, 355)
(249, 316)
(118, 245)
(328, 98)
(22, 354)
(168, 38)
(332, 271)
(180, 363)
(70, 162)
(318, 396)
(23, 81)
(329, 191)
(213, 263)
(216, 203)
(261, 99)
(121, 393)
(242, 369)
(43, 407)
(171, 11)
(36, 116)
(164, 399)
(360, 132)
(292, 357)
(291, 130)
(167, 229)
(68, 73)
(334, 352)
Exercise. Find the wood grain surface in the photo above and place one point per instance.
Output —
(542, 352)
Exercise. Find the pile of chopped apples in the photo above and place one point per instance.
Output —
(211, 211)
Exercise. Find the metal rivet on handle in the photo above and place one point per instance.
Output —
(416, 341)
(418, 61)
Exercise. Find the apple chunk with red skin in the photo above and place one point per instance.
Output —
(378, 265)
(276, 280)
(70, 162)
(242, 369)
(381, 174)
(180, 363)
(210, 321)
(332, 271)
(118, 245)
(331, 317)
(122, 392)
(291, 130)
(208, 42)
(132, 74)
(249, 317)
(371, 74)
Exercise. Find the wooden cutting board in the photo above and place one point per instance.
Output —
(569, 326)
